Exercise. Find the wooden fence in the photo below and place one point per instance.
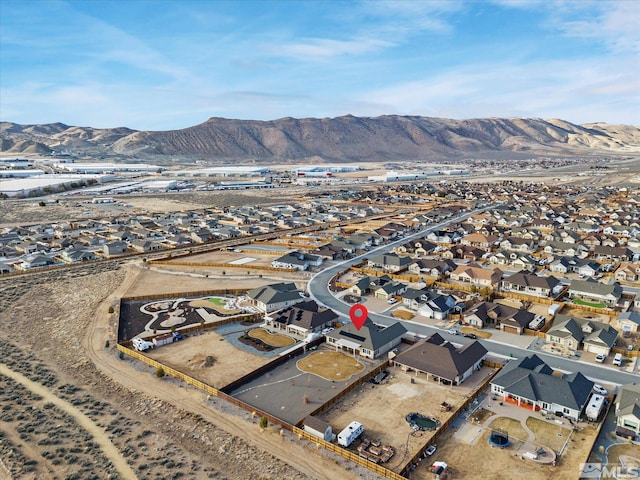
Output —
(350, 388)
(445, 425)
(380, 470)
(355, 458)
(197, 293)
(168, 370)
(276, 362)
(252, 317)
(526, 298)
(223, 265)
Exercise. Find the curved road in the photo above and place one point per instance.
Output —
(319, 291)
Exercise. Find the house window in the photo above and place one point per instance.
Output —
(630, 424)
(566, 410)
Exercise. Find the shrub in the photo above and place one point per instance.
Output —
(160, 372)
(111, 310)
(264, 422)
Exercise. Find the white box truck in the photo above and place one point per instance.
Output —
(594, 407)
(349, 434)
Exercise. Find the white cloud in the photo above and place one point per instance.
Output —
(325, 48)
(578, 91)
(617, 24)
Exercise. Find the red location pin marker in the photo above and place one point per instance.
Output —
(358, 314)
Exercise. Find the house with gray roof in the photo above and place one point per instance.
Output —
(390, 262)
(371, 341)
(628, 321)
(275, 297)
(529, 382)
(301, 320)
(503, 317)
(389, 289)
(568, 334)
(593, 291)
(442, 360)
(627, 410)
(437, 306)
(529, 284)
(297, 260)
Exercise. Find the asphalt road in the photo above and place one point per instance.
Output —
(319, 291)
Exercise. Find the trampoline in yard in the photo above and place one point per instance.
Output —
(499, 438)
(422, 422)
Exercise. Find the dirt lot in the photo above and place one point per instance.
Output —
(230, 363)
(252, 258)
(165, 279)
(399, 397)
(466, 448)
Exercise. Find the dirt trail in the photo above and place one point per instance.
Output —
(312, 464)
(101, 438)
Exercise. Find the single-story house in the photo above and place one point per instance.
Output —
(301, 319)
(529, 382)
(628, 321)
(593, 291)
(627, 410)
(390, 262)
(568, 334)
(275, 297)
(437, 306)
(440, 359)
(370, 341)
(297, 260)
(476, 275)
(434, 268)
(529, 284)
(503, 317)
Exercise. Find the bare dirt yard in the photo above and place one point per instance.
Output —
(229, 362)
(467, 447)
(235, 260)
(382, 410)
(164, 280)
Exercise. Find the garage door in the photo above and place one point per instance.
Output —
(510, 329)
(596, 349)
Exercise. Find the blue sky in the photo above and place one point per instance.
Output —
(159, 65)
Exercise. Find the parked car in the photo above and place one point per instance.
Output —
(451, 331)
(600, 358)
(599, 389)
(391, 301)
(471, 335)
(431, 449)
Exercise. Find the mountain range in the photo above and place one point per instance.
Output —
(340, 139)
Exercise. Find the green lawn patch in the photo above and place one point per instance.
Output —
(217, 301)
(577, 301)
